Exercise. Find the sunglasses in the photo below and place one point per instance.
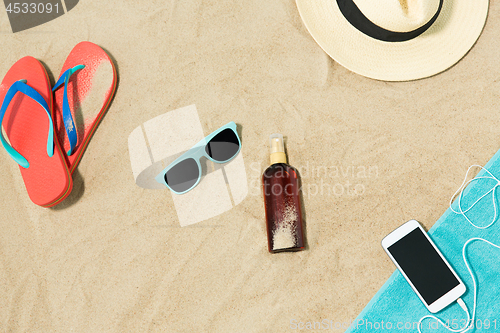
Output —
(183, 174)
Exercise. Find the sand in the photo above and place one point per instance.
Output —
(285, 235)
(372, 155)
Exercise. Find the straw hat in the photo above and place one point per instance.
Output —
(395, 40)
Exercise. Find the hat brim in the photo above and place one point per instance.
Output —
(455, 31)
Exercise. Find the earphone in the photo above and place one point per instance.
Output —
(470, 321)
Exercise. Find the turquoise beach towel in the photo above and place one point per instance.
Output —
(397, 308)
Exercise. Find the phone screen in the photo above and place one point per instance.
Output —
(423, 266)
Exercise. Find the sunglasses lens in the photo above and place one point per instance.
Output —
(183, 175)
(223, 146)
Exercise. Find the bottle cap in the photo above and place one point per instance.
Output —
(277, 149)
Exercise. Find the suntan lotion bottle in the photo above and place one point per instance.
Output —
(280, 184)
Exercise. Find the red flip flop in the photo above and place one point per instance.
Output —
(89, 79)
(26, 115)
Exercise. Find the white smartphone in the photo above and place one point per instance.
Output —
(423, 266)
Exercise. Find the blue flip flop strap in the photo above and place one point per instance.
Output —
(21, 86)
(69, 124)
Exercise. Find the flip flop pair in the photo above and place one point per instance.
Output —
(48, 129)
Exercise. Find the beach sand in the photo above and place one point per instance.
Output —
(113, 258)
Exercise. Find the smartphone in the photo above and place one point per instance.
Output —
(423, 266)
